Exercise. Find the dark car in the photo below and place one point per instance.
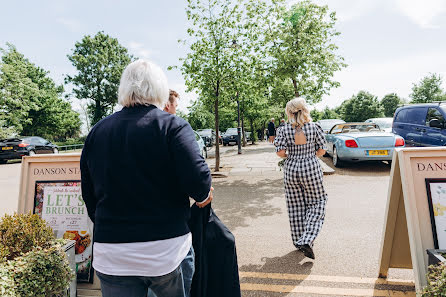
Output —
(421, 124)
(230, 137)
(17, 147)
(208, 136)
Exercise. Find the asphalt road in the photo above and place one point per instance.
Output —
(253, 208)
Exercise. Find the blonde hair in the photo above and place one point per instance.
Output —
(143, 83)
(298, 112)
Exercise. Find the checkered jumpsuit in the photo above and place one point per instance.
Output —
(304, 191)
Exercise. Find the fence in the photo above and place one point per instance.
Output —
(71, 147)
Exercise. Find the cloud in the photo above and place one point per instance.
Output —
(423, 13)
(385, 76)
(139, 50)
(72, 24)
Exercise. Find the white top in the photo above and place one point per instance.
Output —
(151, 258)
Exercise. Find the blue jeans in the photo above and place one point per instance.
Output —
(175, 284)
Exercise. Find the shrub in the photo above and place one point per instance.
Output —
(436, 281)
(19, 234)
(33, 261)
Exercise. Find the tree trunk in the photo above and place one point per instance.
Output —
(253, 141)
(243, 130)
(263, 130)
(296, 92)
(97, 112)
(217, 144)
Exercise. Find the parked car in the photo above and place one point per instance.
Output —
(230, 137)
(17, 147)
(421, 124)
(355, 142)
(201, 145)
(208, 136)
(385, 124)
(248, 136)
(327, 124)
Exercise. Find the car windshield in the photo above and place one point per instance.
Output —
(383, 123)
(327, 124)
(351, 128)
(231, 131)
(204, 132)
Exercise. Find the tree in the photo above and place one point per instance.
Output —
(361, 107)
(99, 61)
(301, 45)
(209, 66)
(428, 90)
(17, 91)
(390, 103)
(329, 113)
(41, 110)
(199, 116)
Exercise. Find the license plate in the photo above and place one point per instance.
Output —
(6, 148)
(378, 153)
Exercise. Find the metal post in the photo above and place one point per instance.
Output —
(239, 129)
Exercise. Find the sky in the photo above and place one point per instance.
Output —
(388, 44)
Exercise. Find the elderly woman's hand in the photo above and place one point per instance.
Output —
(208, 200)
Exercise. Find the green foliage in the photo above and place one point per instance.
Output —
(428, 90)
(302, 47)
(199, 116)
(71, 141)
(316, 115)
(390, 103)
(32, 261)
(20, 233)
(41, 272)
(329, 113)
(436, 281)
(361, 107)
(99, 61)
(30, 101)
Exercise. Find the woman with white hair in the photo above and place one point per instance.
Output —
(300, 141)
(139, 167)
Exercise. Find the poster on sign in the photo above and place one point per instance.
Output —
(436, 192)
(60, 204)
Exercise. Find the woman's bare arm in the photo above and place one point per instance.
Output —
(320, 152)
(282, 153)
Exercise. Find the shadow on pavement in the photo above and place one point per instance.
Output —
(378, 168)
(238, 200)
(288, 264)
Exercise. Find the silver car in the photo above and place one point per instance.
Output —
(201, 145)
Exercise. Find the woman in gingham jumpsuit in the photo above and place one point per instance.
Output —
(304, 191)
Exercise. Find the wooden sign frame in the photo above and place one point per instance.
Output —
(408, 230)
(54, 168)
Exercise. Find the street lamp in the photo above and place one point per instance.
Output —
(239, 128)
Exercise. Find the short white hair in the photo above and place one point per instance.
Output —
(143, 83)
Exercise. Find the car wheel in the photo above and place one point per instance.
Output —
(3, 161)
(336, 161)
(55, 151)
(32, 153)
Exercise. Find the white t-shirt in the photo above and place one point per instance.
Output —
(151, 258)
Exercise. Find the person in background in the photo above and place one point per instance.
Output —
(300, 141)
(271, 131)
(282, 123)
(138, 199)
(172, 104)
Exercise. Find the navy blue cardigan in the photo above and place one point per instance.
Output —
(139, 167)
